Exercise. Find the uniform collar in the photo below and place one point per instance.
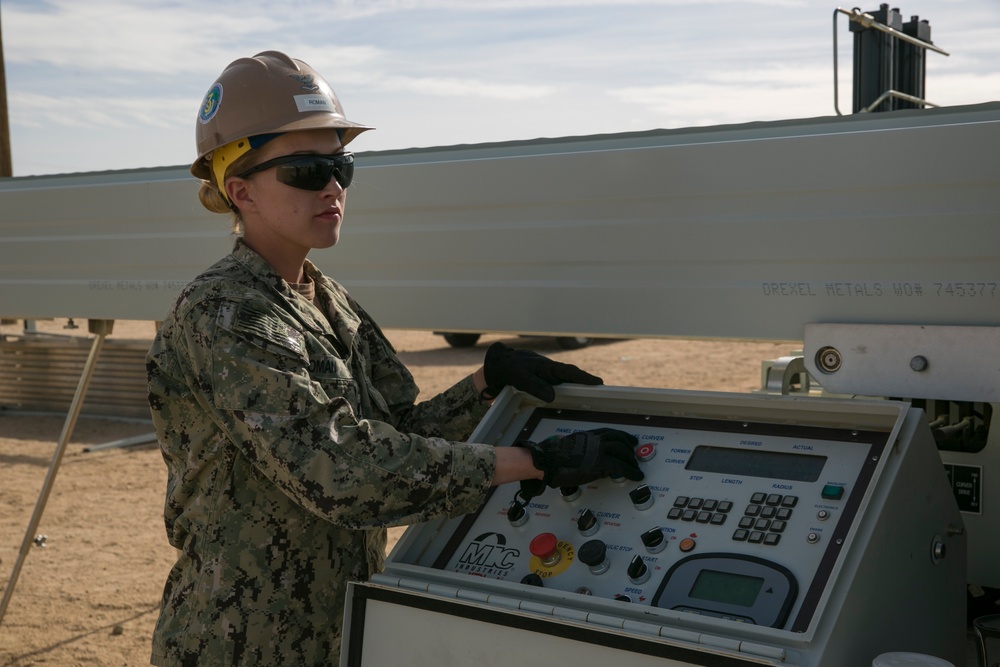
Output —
(258, 266)
(334, 300)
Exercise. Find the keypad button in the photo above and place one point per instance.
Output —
(695, 503)
(762, 524)
(704, 517)
(689, 515)
(725, 506)
(740, 535)
(783, 514)
(752, 510)
(755, 537)
(774, 499)
(758, 498)
(771, 539)
(681, 501)
(746, 522)
(718, 519)
(675, 513)
(768, 512)
(778, 526)
(789, 501)
(710, 505)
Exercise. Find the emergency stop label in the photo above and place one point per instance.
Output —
(967, 485)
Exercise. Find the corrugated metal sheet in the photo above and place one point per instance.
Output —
(747, 231)
(41, 372)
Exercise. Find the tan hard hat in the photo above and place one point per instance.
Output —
(267, 94)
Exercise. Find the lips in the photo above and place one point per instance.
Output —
(331, 214)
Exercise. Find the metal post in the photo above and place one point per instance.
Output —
(101, 328)
(6, 166)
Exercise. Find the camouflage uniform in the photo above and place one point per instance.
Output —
(291, 439)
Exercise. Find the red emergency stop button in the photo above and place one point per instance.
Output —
(545, 546)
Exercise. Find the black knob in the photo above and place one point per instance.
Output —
(592, 553)
(652, 539)
(587, 522)
(516, 514)
(637, 571)
(569, 493)
(641, 497)
(533, 580)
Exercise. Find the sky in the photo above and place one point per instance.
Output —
(94, 85)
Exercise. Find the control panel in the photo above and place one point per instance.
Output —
(767, 530)
(734, 520)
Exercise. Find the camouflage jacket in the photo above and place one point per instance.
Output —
(291, 438)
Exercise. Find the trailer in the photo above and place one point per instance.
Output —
(874, 239)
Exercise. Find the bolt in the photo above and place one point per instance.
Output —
(829, 360)
(918, 363)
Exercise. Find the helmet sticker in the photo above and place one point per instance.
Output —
(210, 105)
(308, 81)
(314, 103)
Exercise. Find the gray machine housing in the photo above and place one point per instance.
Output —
(894, 582)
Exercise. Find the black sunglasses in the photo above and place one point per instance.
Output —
(309, 172)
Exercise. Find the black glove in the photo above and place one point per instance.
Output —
(529, 372)
(582, 457)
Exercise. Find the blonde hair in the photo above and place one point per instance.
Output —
(211, 197)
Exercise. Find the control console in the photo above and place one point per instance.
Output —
(739, 520)
(767, 530)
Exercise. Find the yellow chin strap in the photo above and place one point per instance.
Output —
(225, 156)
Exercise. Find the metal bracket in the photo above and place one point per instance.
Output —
(868, 21)
(905, 361)
(784, 376)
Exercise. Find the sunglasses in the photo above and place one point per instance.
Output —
(309, 172)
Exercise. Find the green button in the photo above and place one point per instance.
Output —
(832, 492)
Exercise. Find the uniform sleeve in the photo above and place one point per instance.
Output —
(453, 414)
(304, 436)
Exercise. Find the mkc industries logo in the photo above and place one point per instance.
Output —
(488, 555)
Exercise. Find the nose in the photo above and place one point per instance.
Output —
(333, 188)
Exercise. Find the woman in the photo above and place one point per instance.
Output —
(288, 425)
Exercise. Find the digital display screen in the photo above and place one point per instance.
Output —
(756, 463)
(726, 587)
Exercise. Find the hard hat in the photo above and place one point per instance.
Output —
(267, 94)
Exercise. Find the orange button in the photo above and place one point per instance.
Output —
(687, 544)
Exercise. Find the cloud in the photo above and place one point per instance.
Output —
(101, 75)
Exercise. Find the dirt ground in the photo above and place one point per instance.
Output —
(90, 595)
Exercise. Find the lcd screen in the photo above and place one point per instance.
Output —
(756, 463)
(726, 587)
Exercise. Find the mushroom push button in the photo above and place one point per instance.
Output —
(546, 548)
(594, 554)
(550, 556)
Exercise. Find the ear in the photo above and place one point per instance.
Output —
(239, 192)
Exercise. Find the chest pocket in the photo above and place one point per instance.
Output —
(347, 378)
(332, 372)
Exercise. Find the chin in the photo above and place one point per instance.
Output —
(326, 239)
